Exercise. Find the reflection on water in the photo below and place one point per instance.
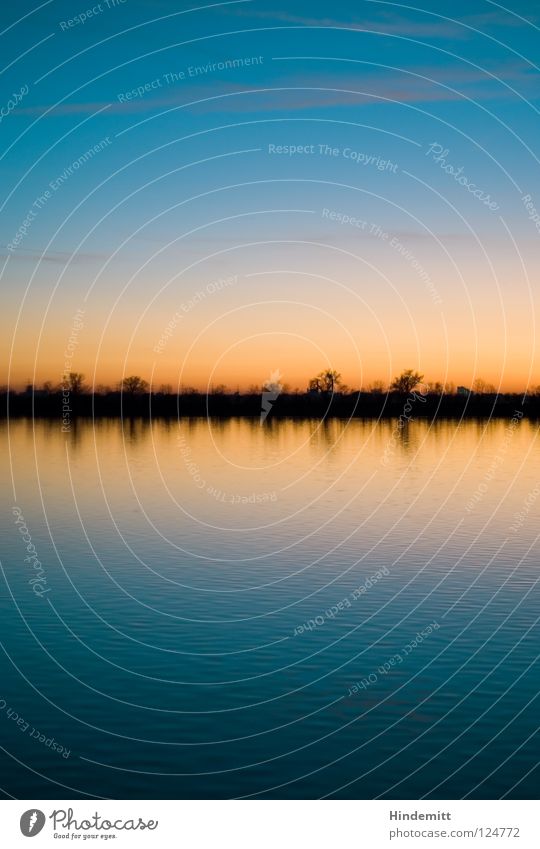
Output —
(295, 610)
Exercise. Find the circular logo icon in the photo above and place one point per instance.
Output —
(32, 822)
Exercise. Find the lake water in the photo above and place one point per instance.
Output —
(232, 610)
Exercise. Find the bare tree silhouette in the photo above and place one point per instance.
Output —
(134, 385)
(76, 383)
(326, 381)
(406, 381)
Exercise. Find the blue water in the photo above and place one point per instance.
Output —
(214, 594)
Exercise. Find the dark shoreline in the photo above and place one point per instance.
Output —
(298, 406)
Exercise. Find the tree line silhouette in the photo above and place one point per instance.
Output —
(325, 395)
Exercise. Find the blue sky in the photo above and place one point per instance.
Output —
(185, 188)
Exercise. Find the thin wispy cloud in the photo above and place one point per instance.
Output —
(57, 257)
(499, 18)
(386, 24)
(330, 88)
(430, 26)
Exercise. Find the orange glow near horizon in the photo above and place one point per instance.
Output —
(293, 323)
(241, 360)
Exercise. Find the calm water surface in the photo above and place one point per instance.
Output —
(233, 610)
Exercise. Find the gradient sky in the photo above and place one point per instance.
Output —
(188, 188)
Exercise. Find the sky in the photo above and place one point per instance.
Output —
(208, 194)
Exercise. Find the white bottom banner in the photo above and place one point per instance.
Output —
(269, 824)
